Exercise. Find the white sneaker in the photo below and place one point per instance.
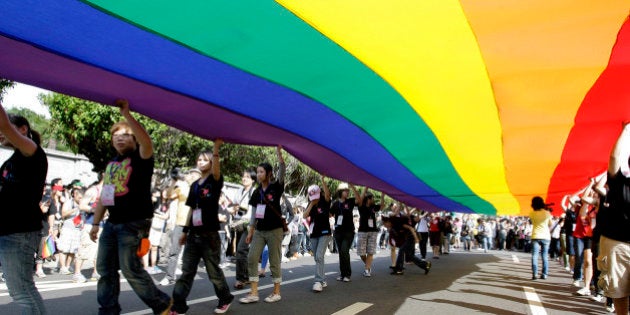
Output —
(324, 284)
(366, 273)
(249, 299)
(610, 308)
(284, 259)
(178, 271)
(166, 281)
(78, 278)
(317, 287)
(583, 292)
(576, 283)
(64, 271)
(273, 298)
(346, 279)
(597, 298)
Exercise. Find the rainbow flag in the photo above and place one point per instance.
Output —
(469, 106)
(48, 248)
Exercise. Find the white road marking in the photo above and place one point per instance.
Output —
(235, 293)
(534, 302)
(353, 309)
(515, 259)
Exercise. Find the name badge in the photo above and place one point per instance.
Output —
(196, 217)
(107, 195)
(260, 211)
(339, 219)
(370, 223)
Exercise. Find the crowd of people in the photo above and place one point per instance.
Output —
(127, 221)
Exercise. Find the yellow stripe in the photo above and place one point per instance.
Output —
(427, 52)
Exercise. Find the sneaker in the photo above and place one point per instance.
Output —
(95, 276)
(78, 278)
(610, 308)
(166, 281)
(367, 273)
(317, 287)
(576, 283)
(40, 274)
(583, 292)
(284, 259)
(396, 272)
(324, 284)
(273, 298)
(427, 268)
(346, 279)
(543, 277)
(3, 279)
(64, 271)
(223, 307)
(249, 299)
(240, 284)
(340, 278)
(597, 298)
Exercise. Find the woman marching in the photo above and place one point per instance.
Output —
(266, 227)
(201, 236)
(318, 211)
(22, 179)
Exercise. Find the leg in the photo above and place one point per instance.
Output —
(535, 252)
(242, 249)
(190, 260)
(108, 287)
(211, 246)
(424, 237)
(255, 250)
(16, 256)
(274, 244)
(545, 257)
(129, 236)
(173, 253)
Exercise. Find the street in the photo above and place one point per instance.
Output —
(498, 282)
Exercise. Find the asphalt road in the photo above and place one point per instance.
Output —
(460, 283)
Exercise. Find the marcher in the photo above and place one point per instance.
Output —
(366, 240)
(403, 236)
(266, 227)
(22, 180)
(126, 195)
(541, 236)
(201, 235)
(318, 210)
(241, 211)
(343, 209)
(613, 221)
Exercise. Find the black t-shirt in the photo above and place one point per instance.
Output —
(22, 181)
(319, 219)
(273, 212)
(205, 196)
(131, 176)
(344, 209)
(613, 219)
(365, 215)
(398, 232)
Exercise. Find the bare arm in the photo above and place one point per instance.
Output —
(24, 144)
(326, 190)
(143, 138)
(282, 167)
(99, 212)
(216, 166)
(618, 155)
(356, 194)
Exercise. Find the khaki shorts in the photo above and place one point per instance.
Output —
(614, 263)
(88, 248)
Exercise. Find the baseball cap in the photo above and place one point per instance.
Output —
(313, 192)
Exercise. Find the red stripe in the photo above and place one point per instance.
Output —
(597, 125)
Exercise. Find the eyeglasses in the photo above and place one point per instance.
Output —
(122, 135)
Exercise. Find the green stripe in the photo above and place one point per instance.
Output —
(263, 38)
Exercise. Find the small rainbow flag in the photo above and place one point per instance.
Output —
(48, 248)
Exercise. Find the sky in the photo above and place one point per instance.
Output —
(25, 96)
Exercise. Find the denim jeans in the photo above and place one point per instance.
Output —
(206, 246)
(578, 247)
(273, 239)
(16, 256)
(406, 252)
(485, 242)
(319, 246)
(173, 253)
(344, 242)
(537, 245)
(117, 248)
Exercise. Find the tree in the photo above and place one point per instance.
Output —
(4, 86)
(38, 122)
(84, 127)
